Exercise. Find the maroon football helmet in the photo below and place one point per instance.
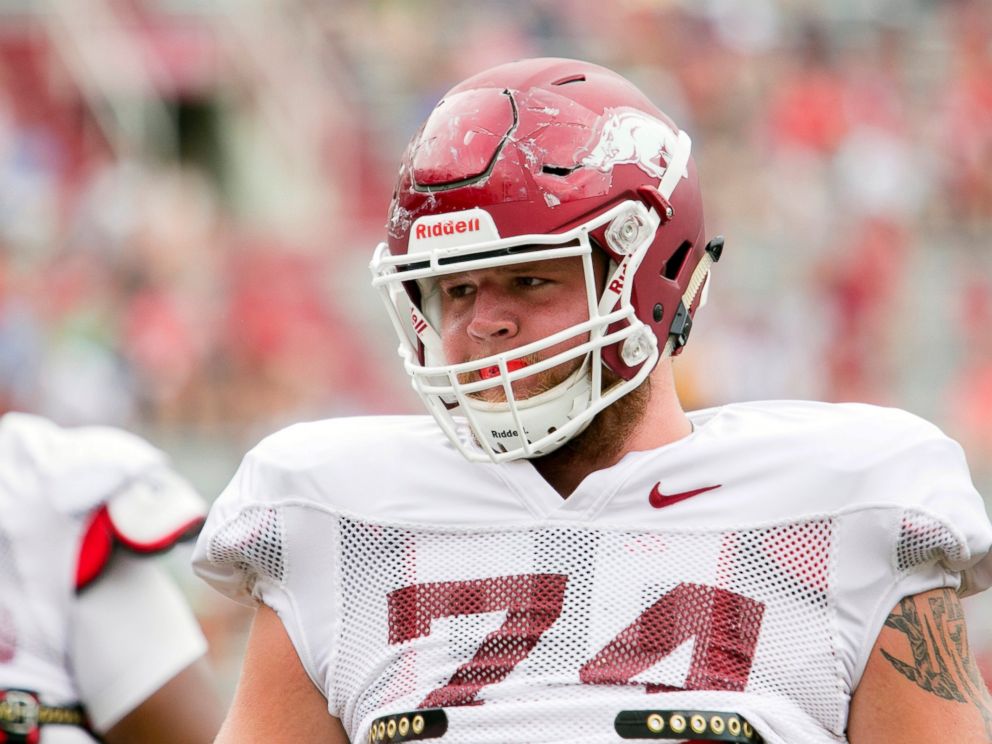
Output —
(540, 159)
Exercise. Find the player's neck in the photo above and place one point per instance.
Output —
(645, 419)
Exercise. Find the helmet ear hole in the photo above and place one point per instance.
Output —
(673, 266)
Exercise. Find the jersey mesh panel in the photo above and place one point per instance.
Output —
(922, 540)
(548, 617)
(252, 543)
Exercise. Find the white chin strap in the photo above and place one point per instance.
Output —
(516, 425)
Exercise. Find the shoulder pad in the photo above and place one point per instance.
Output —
(73, 468)
(149, 515)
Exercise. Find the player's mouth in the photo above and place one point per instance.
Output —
(488, 373)
(524, 388)
(497, 394)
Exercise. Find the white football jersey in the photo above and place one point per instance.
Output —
(114, 643)
(745, 569)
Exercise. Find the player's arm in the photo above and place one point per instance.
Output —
(273, 672)
(183, 711)
(139, 659)
(921, 682)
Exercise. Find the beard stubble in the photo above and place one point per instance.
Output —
(604, 441)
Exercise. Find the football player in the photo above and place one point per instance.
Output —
(96, 642)
(560, 553)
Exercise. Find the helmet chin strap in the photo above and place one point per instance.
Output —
(516, 424)
(696, 283)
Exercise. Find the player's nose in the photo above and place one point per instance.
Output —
(491, 318)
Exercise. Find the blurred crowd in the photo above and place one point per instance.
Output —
(190, 193)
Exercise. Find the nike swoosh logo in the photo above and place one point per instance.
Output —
(659, 499)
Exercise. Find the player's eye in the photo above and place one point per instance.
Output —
(530, 281)
(456, 290)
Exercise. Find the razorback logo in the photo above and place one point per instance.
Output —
(631, 136)
(448, 227)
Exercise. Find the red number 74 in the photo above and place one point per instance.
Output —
(725, 626)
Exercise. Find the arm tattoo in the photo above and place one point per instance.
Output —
(942, 662)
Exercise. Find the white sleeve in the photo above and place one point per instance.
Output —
(132, 632)
(243, 542)
(923, 526)
(270, 538)
(944, 536)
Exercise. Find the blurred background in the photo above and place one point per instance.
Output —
(190, 191)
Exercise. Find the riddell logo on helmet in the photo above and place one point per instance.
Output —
(419, 324)
(452, 230)
(448, 227)
(616, 284)
(504, 434)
